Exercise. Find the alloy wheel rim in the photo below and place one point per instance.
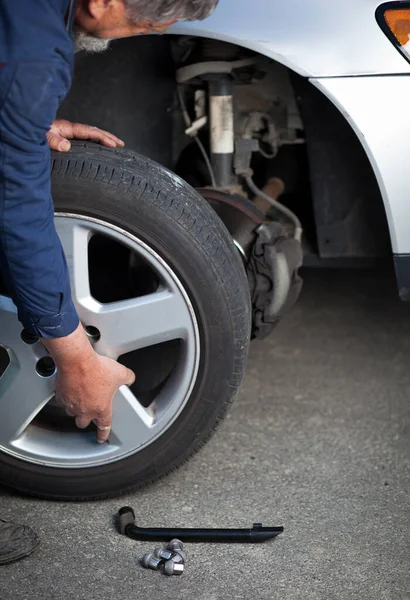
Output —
(123, 326)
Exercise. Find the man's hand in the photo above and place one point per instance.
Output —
(86, 382)
(62, 131)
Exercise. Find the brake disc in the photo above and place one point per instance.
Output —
(271, 257)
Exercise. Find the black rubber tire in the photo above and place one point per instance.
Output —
(134, 193)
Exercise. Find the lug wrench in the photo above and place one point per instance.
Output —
(258, 533)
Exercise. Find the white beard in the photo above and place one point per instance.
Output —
(83, 41)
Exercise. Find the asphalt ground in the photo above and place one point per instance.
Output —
(317, 441)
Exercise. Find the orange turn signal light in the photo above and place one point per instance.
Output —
(394, 19)
(398, 21)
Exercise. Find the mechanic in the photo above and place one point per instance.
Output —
(37, 41)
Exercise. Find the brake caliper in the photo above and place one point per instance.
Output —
(271, 258)
(273, 273)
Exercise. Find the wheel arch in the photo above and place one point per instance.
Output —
(371, 242)
(151, 55)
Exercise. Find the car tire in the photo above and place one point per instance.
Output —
(142, 198)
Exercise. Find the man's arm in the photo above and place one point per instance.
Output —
(32, 261)
(31, 257)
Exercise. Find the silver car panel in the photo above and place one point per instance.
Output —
(315, 38)
(378, 110)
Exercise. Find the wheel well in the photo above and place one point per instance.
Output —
(329, 182)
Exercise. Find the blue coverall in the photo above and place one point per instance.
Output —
(36, 60)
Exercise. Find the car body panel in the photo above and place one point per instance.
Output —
(315, 38)
(378, 110)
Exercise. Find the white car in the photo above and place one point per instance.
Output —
(287, 117)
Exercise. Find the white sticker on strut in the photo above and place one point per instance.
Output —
(222, 127)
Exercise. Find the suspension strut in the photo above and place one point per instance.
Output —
(221, 118)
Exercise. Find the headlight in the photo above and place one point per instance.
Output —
(394, 19)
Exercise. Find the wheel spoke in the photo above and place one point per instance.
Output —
(75, 238)
(23, 394)
(141, 322)
(131, 423)
(123, 326)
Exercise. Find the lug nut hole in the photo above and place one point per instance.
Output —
(46, 367)
(29, 338)
(93, 333)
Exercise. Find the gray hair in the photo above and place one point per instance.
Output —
(159, 11)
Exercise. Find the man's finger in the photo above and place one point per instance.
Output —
(128, 376)
(87, 132)
(110, 135)
(57, 142)
(104, 140)
(113, 137)
(70, 410)
(95, 135)
(83, 421)
(103, 428)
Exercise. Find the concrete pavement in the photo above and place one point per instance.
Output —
(318, 441)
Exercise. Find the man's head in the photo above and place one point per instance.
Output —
(98, 21)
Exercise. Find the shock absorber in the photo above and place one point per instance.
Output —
(221, 121)
(220, 60)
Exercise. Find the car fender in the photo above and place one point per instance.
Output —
(377, 109)
(315, 38)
